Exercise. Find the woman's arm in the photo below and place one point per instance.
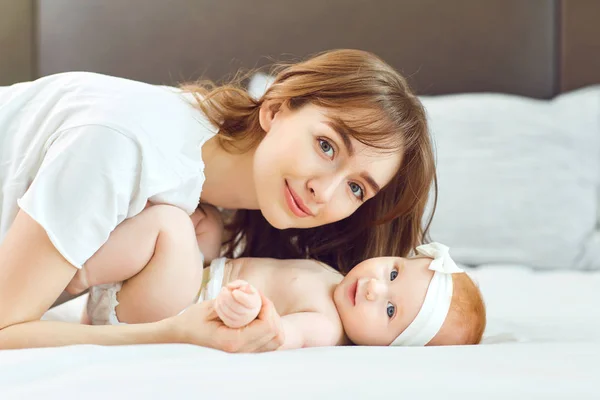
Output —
(198, 325)
(32, 272)
(51, 334)
(309, 329)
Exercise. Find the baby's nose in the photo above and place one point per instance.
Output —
(374, 289)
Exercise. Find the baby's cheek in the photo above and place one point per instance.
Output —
(353, 327)
(364, 330)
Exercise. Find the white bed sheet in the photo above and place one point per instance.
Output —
(542, 341)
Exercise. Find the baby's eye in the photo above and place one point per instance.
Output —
(326, 148)
(391, 310)
(393, 275)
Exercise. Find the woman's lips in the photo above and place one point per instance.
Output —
(295, 203)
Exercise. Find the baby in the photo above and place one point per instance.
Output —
(425, 300)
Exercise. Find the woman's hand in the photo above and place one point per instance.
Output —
(200, 325)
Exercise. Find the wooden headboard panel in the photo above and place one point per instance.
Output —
(579, 43)
(536, 48)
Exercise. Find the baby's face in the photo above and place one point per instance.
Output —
(380, 297)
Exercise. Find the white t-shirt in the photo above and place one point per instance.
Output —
(81, 152)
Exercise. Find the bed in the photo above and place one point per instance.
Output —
(512, 92)
(542, 342)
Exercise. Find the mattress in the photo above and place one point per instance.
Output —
(542, 341)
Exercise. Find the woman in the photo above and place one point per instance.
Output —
(334, 162)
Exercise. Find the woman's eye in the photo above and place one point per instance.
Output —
(357, 190)
(391, 310)
(393, 275)
(326, 148)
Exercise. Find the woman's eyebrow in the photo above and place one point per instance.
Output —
(343, 133)
(345, 136)
(371, 182)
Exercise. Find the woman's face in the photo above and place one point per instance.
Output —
(308, 172)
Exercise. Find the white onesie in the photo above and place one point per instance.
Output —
(102, 300)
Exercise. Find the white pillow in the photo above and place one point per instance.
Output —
(518, 178)
(259, 83)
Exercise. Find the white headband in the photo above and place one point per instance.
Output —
(435, 308)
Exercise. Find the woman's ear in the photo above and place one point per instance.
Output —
(267, 113)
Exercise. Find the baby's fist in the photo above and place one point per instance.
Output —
(238, 304)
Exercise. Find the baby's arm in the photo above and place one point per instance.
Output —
(310, 329)
(238, 304)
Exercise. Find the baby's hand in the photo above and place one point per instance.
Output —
(237, 304)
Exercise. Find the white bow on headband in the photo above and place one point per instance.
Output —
(441, 258)
(435, 308)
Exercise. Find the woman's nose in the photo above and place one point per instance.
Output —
(323, 188)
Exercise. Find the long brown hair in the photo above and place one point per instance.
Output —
(375, 105)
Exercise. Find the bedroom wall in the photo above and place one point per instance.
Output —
(536, 48)
(443, 47)
(579, 43)
(16, 41)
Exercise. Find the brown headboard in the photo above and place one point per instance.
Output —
(536, 48)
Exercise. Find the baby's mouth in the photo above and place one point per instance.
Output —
(352, 292)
